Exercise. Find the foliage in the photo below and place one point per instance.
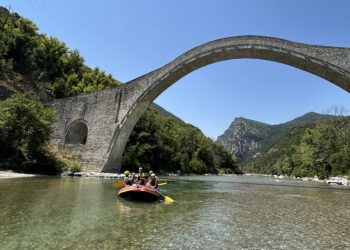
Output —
(75, 167)
(46, 61)
(24, 131)
(166, 144)
(320, 149)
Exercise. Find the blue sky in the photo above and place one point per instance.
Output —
(132, 37)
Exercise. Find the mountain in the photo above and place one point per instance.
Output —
(247, 138)
(244, 137)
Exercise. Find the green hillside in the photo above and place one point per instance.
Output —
(166, 144)
(42, 65)
(163, 111)
(321, 148)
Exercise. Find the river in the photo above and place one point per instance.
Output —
(209, 212)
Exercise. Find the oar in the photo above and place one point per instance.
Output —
(167, 199)
(161, 184)
(117, 184)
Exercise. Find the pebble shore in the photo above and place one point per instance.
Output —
(338, 180)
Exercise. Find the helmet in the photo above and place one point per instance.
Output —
(152, 175)
(150, 172)
(126, 173)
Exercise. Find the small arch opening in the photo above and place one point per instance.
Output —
(77, 133)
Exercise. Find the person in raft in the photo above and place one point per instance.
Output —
(141, 177)
(153, 181)
(135, 179)
(127, 178)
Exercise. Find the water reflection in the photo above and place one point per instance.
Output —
(128, 208)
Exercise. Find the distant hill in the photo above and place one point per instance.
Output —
(246, 138)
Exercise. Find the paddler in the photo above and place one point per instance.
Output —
(153, 181)
(127, 178)
(134, 179)
(141, 176)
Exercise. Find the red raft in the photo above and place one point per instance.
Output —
(143, 193)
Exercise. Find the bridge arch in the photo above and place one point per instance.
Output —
(77, 132)
(112, 114)
(330, 63)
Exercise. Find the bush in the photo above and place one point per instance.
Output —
(74, 167)
(24, 131)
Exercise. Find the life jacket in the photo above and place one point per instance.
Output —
(141, 178)
(128, 181)
(154, 182)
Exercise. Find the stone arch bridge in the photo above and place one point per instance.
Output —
(97, 126)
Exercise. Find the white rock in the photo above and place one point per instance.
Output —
(338, 180)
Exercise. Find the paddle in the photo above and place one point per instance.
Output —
(117, 184)
(167, 199)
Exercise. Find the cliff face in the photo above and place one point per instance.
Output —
(244, 137)
(247, 138)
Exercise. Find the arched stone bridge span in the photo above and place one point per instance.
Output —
(108, 117)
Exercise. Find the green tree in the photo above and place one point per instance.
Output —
(24, 131)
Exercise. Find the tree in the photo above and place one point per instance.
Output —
(24, 131)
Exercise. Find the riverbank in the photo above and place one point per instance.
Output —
(11, 174)
(337, 180)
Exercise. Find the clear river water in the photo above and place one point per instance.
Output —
(209, 212)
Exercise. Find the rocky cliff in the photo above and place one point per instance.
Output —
(247, 138)
(244, 137)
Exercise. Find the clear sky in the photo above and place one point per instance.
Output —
(132, 37)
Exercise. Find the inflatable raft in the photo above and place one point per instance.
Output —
(143, 193)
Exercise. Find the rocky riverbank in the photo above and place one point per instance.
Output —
(338, 180)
